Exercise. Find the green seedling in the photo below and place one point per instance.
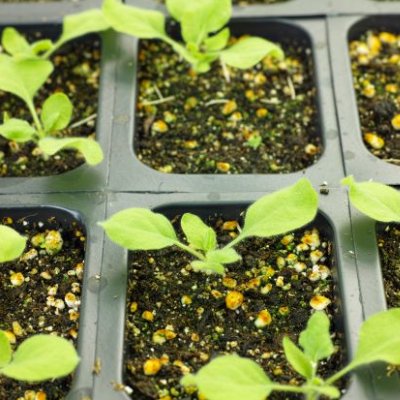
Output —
(378, 201)
(40, 357)
(203, 31)
(236, 378)
(23, 78)
(274, 214)
(74, 26)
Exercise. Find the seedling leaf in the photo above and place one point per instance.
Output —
(41, 46)
(89, 148)
(315, 339)
(198, 234)
(218, 41)
(379, 339)
(17, 130)
(144, 24)
(178, 8)
(5, 350)
(14, 43)
(282, 211)
(42, 357)
(215, 260)
(208, 267)
(231, 377)
(249, 51)
(23, 78)
(297, 359)
(56, 113)
(76, 25)
(140, 229)
(12, 244)
(378, 201)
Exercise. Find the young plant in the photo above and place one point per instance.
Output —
(23, 78)
(378, 201)
(203, 31)
(74, 26)
(236, 378)
(40, 357)
(274, 214)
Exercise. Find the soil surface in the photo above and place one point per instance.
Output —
(45, 298)
(76, 73)
(389, 248)
(376, 74)
(179, 317)
(263, 121)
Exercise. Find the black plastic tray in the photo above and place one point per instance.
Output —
(358, 160)
(87, 209)
(334, 216)
(129, 174)
(83, 178)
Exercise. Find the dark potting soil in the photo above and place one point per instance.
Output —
(40, 293)
(389, 248)
(76, 73)
(375, 62)
(263, 121)
(178, 318)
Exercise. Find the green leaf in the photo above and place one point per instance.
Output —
(77, 25)
(12, 244)
(218, 41)
(231, 377)
(249, 51)
(144, 24)
(17, 130)
(23, 78)
(376, 200)
(208, 267)
(379, 339)
(203, 17)
(41, 46)
(42, 357)
(89, 148)
(56, 112)
(198, 234)
(140, 229)
(14, 43)
(282, 211)
(178, 8)
(315, 339)
(5, 350)
(297, 359)
(215, 260)
(330, 391)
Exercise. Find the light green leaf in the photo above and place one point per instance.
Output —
(42, 357)
(144, 24)
(218, 41)
(76, 25)
(17, 130)
(14, 43)
(140, 229)
(208, 267)
(379, 339)
(5, 350)
(198, 234)
(203, 17)
(231, 377)
(223, 256)
(315, 339)
(378, 201)
(177, 8)
(297, 359)
(330, 391)
(56, 113)
(23, 78)
(282, 211)
(89, 148)
(12, 244)
(41, 46)
(249, 51)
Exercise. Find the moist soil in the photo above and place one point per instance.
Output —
(389, 248)
(375, 63)
(39, 304)
(76, 73)
(280, 275)
(263, 121)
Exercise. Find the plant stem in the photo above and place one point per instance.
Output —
(36, 120)
(190, 250)
(235, 241)
(49, 52)
(339, 374)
